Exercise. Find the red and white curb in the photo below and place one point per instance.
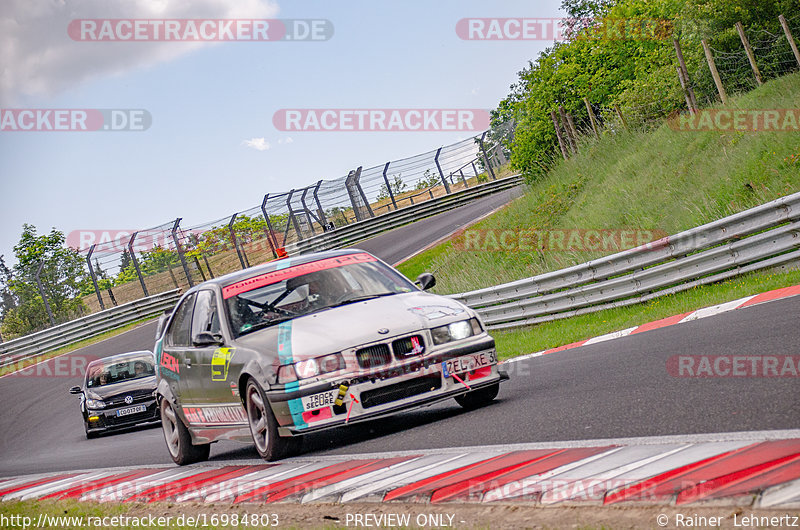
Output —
(769, 296)
(742, 469)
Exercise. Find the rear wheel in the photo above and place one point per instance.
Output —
(179, 441)
(478, 398)
(264, 426)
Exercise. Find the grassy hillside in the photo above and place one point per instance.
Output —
(661, 180)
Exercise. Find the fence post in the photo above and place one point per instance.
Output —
(388, 186)
(307, 211)
(180, 252)
(293, 219)
(44, 296)
(571, 139)
(789, 36)
(322, 219)
(592, 118)
(208, 265)
(486, 160)
(136, 264)
(684, 77)
(235, 241)
(441, 173)
(621, 116)
(558, 135)
(94, 277)
(273, 241)
(197, 263)
(749, 51)
(463, 178)
(714, 73)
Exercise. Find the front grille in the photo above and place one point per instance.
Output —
(119, 401)
(406, 389)
(373, 356)
(408, 347)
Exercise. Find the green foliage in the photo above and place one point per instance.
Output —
(398, 187)
(62, 277)
(429, 180)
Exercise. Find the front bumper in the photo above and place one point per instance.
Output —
(395, 388)
(107, 419)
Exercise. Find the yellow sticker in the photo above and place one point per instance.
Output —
(340, 398)
(220, 362)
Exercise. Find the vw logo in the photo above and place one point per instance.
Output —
(383, 331)
(128, 399)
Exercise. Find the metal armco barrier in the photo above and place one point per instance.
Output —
(23, 348)
(762, 237)
(349, 234)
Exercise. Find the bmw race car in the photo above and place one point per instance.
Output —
(309, 343)
(118, 391)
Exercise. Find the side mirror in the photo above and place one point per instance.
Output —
(206, 338)
(425, 281)
(75, 390)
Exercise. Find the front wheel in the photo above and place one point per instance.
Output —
(478, 398)
(263, 425)
(179, 441)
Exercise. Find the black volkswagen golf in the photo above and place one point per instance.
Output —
(118, 391)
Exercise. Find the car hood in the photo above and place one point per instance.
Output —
(134, 387)
(354, 324)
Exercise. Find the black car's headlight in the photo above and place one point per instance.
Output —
(95, 403)
(288, 373)
(456, 331)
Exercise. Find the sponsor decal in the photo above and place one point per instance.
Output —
(432, 312)
(276, 276)
(220, 362)
(215, 414)
(169, 365)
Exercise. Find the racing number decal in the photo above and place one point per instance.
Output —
(220, 362)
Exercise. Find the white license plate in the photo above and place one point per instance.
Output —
(468, 363)
(131, 410)
(319, 401)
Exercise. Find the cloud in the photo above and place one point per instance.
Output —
(37, 56)
(286, 140)
(259, 144)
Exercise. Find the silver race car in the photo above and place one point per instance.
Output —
(309, 343)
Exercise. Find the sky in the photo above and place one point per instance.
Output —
(212, 148)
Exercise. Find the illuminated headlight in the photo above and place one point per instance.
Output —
(456, 331)
(95, 404)
(288, 373)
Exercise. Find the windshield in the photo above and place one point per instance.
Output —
(289, 293)
(103, 374)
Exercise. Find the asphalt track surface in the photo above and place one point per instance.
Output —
(619, 388)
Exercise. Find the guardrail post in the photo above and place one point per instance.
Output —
(235, 241)
(136, 263)
(273, 241)
(486, 157)
(322, 218)
(44, 296)
(441, 173)
(388, 186)
(94, 277)
(180, 252)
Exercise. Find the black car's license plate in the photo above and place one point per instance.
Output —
(131, 410)
(468, 363)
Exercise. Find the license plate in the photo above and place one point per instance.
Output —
(131, 410)
(318, 401)
(468, 363)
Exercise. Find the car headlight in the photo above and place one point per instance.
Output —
(288, 373)
(95, 404)
(456, 331)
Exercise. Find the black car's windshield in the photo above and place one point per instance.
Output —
(112, 372)
(282, 295)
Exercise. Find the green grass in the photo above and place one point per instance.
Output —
(661, 180)
(72, 347)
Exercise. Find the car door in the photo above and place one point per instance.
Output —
(177, 355)
(211, 360)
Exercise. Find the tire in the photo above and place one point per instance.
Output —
(179, 441)
(478, 398)
(264, 426)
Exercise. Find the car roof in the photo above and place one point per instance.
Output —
(284, 263)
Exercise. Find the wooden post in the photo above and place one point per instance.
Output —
(573, 129)
(749, 51)
(685, 77)
(592, 118)
(558, 135)
(788, 33)
(684, 85)
(621, 117)
(714, 73)
(572, 143)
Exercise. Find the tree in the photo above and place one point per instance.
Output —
(7, 299)
(397, 184)
(62, 277)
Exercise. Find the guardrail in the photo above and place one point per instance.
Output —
(762, 237)
(349, 234)
(29, 346)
